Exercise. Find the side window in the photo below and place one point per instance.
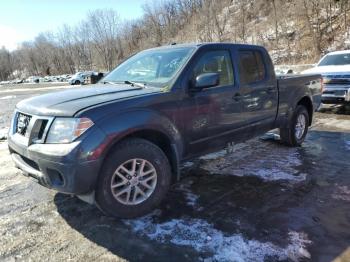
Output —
(251, 67)
(216, 62)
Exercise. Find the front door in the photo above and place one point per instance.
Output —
(217, 109)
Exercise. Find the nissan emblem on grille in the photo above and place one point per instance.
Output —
(22, 124)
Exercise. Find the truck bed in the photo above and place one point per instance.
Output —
(293, 85)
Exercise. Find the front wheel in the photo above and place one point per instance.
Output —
(134, 179)
(295, 134)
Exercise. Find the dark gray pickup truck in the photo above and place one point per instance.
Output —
(119, 143)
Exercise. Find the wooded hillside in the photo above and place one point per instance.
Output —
(294, 31)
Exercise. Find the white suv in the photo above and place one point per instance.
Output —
(78, 78)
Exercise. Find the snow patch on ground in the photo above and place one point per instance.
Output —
(203, 237)
(214, 155)
(3, 145)
(342, 124)
(7, 97)
(253, 158)
(191, 198)
(187, 164)
(342, 193)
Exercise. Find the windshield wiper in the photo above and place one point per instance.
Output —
(142, 85)
(109, 82)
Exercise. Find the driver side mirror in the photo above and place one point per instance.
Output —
(206, 80)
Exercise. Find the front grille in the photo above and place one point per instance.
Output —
(334, 81)
(30, 128)
(22, 123)
(341, 79)
(335, 92)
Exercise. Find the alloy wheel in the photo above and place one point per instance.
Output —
(134, 181)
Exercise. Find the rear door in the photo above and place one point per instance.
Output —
(258, 87)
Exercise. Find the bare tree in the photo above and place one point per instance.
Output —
(293, 30)
(103, 30)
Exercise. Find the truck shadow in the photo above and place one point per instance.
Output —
(206, 211)
(232, 205)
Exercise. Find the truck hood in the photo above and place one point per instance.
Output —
(324, 70)
(333, 76)
(69, 102)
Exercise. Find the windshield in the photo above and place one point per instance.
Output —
(341, 59)
(151, 67)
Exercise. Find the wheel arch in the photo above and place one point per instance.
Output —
(157, 137)
(307, 103)
(147, 124)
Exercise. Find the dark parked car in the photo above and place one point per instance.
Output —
(119, 143)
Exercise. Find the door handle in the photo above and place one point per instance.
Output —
(237, 97)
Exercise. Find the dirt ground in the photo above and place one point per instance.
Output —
(262, 202)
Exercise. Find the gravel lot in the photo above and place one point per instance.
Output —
(262, 202)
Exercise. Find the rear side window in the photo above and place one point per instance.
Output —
(251, 67)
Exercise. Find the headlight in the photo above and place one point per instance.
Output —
(65, 130)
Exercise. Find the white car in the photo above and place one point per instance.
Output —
(335, 69)
(78, 78)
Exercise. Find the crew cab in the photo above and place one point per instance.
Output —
(119, 143)
(335, 69)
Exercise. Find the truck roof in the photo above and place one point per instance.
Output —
(175, 45)
(339, 52)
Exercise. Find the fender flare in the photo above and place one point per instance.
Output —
(118, 127)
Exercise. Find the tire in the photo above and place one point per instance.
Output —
(125, 154)
(77, 82)
(295, 135)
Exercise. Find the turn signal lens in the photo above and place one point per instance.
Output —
(83, 125)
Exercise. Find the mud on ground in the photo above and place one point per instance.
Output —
(262, 202)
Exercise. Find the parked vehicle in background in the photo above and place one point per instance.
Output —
(33, 79)
(77, 79)
(120, 143)
(64, 78)
(80, 77)
(335, 70)
(17, 81)
(95, 77)
(56, 78)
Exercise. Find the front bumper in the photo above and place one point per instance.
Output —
(59, 167)
(339, 95)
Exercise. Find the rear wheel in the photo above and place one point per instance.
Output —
(77, 82)
(295, 134)
(134, 179)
